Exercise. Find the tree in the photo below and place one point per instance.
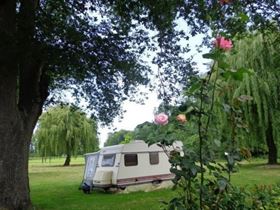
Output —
(144, 131)
(119, 137)
(49, 46)
(260, 53)
(255, 94)
(94, 48)
(65, 131)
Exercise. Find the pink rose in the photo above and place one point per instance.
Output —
(223, 43)
(161, 119)
(181, 118)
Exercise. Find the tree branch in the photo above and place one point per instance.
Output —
(32, 85)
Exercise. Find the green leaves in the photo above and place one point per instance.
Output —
(194, 87)
(64, 130)
(119, 137)
(237, 74)
(222, 183)
(245, 98)
(215, 55)
(243, 17)
(217, 142)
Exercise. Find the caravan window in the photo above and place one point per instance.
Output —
(108, 160)
(154, 159)
(130, 160)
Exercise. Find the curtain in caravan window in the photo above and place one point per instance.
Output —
(154, 158)
(130, 160)
(108, 160)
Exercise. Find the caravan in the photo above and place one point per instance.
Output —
(129, 164)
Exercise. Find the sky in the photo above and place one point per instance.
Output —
(135, 114)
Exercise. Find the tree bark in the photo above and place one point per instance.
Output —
(16, 128)
(67, 160)
(272, 148)
(23, 91)
(15, 139)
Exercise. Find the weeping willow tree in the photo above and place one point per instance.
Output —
(260, 53)
(65, 130)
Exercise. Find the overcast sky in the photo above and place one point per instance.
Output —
(135, 114)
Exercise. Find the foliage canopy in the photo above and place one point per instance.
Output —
(119, 137)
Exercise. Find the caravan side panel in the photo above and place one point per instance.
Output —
(146, 170)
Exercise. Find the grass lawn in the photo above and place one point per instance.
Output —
(54, 187)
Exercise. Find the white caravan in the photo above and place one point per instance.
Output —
(129, 164)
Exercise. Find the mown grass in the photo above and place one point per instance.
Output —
(54, 187)
(256, 172)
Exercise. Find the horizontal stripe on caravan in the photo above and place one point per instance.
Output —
(131, 153)
(141, 179)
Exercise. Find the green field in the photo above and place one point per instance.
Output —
(54, 187)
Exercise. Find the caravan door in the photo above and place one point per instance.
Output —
(91, 161)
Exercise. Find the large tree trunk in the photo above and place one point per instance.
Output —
(272, 148)
(18, 117)
(22, 93)
(15, 138)
(16, 127)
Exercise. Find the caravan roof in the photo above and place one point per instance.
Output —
(136, 146)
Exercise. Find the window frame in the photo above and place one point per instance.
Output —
(113, 163)
(151, 156)
(125, 160)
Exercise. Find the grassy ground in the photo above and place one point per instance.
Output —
(256, 172)
(54, 187)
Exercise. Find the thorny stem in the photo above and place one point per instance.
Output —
(201, 135)
(213, 95)
(201, 144)
(189, 186)
(233, 127)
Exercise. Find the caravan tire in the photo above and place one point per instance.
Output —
(156, 182)
(86, 191)
(106, 189)
(122, 188)
(86, 188)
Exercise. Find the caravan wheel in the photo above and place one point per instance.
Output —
(106, 189)
(122, 188)
(86, 188)
(86, 191)
(156, 182)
